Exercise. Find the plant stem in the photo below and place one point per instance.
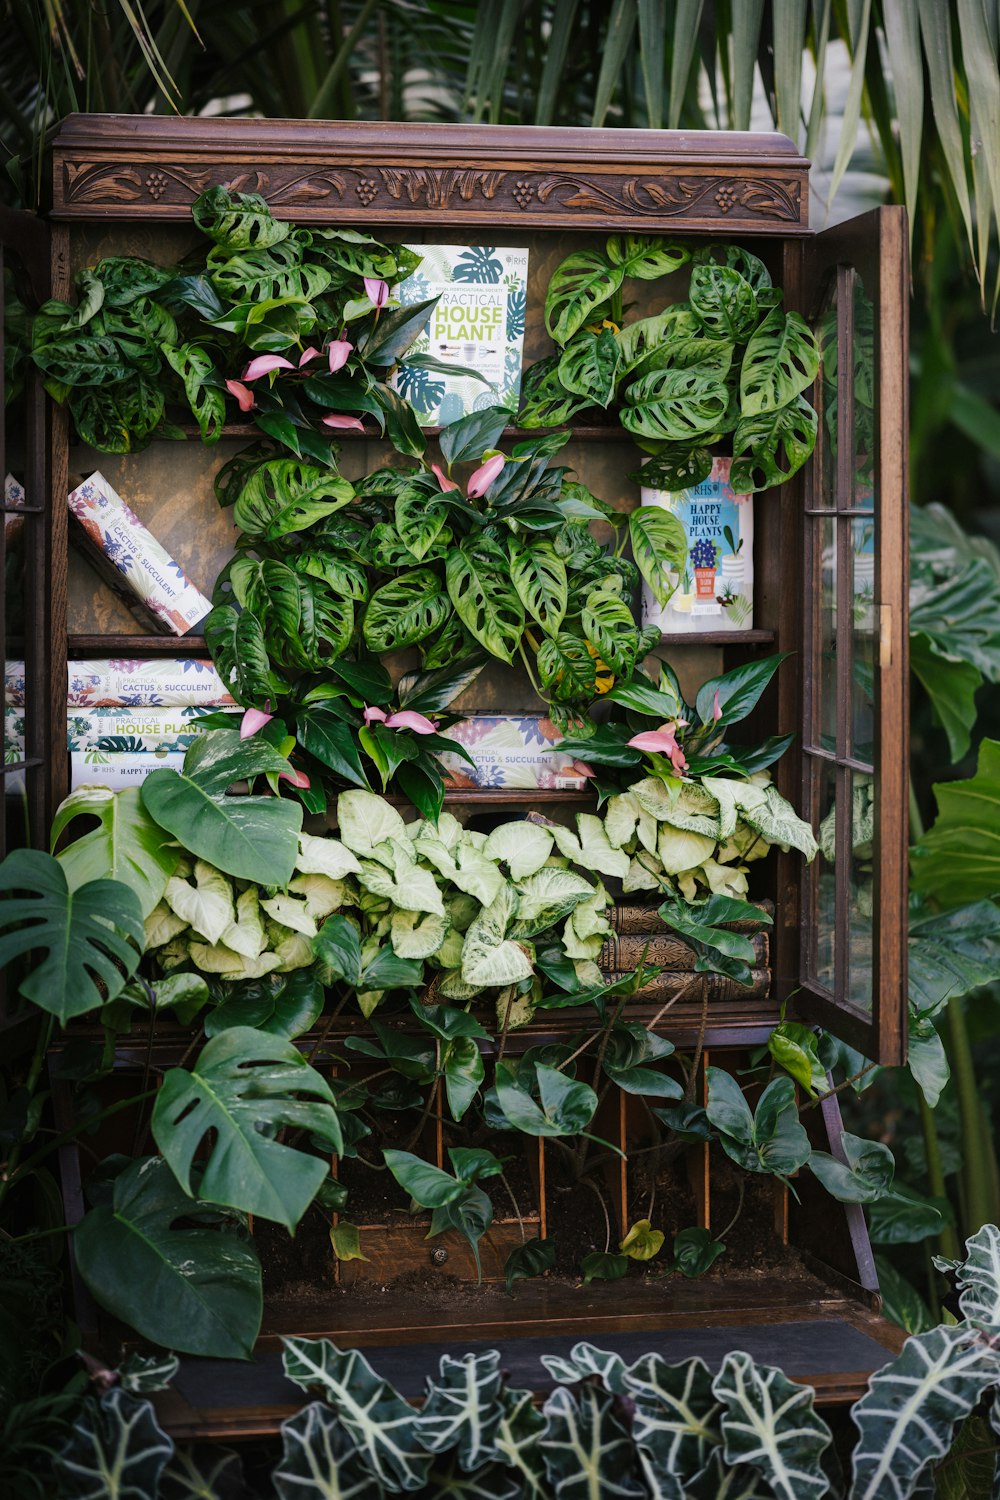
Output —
(977, 1167)
(947, 1240)
(36, 1234)
(66, 1137)
(844, 1084)
(741, 1185)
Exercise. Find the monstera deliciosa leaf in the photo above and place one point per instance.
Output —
(244, 1087)
(92, 937)
(154, 1258)
(126, 845)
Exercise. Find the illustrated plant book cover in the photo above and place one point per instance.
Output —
(477, 327)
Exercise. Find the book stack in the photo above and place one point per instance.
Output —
(124, 718)
(641, 936)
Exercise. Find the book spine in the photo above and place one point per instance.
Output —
(132, 562)
(131, 729)
(624, 953)
(697, 989)
(509, 752)
(165, 683)
(629, 918)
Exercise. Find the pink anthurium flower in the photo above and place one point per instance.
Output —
(297, 778)
(243, 394)
(264, 364)
(661, 741)
(253, 720)
(308, 355)
(405, 718)
(580, 768)
(716, 710)
(373, 714)
(345, 424)
(377, 291)
(484, 476)
(442, 478)
(338, 353)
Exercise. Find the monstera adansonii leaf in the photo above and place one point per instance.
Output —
(579, 286)
(92, 937)
(244, 1087)
(780, 362)
(190, 1286)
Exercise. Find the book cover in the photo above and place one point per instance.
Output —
(132, 562)
(510, 752)
(715, 591)
(477, 324)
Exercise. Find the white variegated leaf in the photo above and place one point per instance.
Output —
(207, 905)
(321, 1459)
(586, 1447)
(364, 821)
(206, 1472)
(776, 820)
(676, 1422)
(326, 856)
(462, 1410)
(544, 897)
(489, 957)
(769, 1423)
(417, 934)
(523, 847)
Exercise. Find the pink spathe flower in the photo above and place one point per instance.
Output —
(243, 394)
(484, 476)
(406, 718)
(716, 709)
(662, 741)
(308, 355)
(338, 353)
(374, 714)
(377, 291)
(253, 720)
(264, 364)
(297, 778)
(580, 768)
(444, 482)
(344, 424)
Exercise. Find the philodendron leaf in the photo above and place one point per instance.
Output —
(865, 1175)
(586, 1446)
(770, 1424)
(283, 1004)
(907, 1418)
(425, 1183)
(695, 1251)
(244, 1086)
(533, 1258)
(659, 547)
(126, 845)
(770, 448)
(579, 286)
(92, 938)
(772, 1139)
(249, 838)
(462, 1410)
(320, 1457)
(383, 1426)
(642, 1241)
(600, 1265)
(567, 1106)
(116, 1450)
(192, 1288)
(539, 576)
(676, 1421)
(795, 1047)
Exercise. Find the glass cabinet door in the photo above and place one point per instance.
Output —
(854, 732)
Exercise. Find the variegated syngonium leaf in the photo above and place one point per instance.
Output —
(769, 1423)
(586, 1446)
(462, 1410)
(908, 1416)
(978, 1279)
(321, 1458)
(676, 1422)
(380, 1422)
(116, 1450)
(586, 1360)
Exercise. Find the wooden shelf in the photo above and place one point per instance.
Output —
(141, 645)
(609, 432)
(719, 638)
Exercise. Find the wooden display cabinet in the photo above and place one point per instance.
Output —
(837, 949)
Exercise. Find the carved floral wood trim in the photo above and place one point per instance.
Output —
(154, 167)
(395, 192)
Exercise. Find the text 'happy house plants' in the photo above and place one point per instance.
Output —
(447, 942)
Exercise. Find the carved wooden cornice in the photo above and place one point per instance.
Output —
(141, 166)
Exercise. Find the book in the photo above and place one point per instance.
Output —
(137, 567)
(477, 324)
(715, 589)
(509, 752)
(133, 729)
(666, 952)
(119, 769)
